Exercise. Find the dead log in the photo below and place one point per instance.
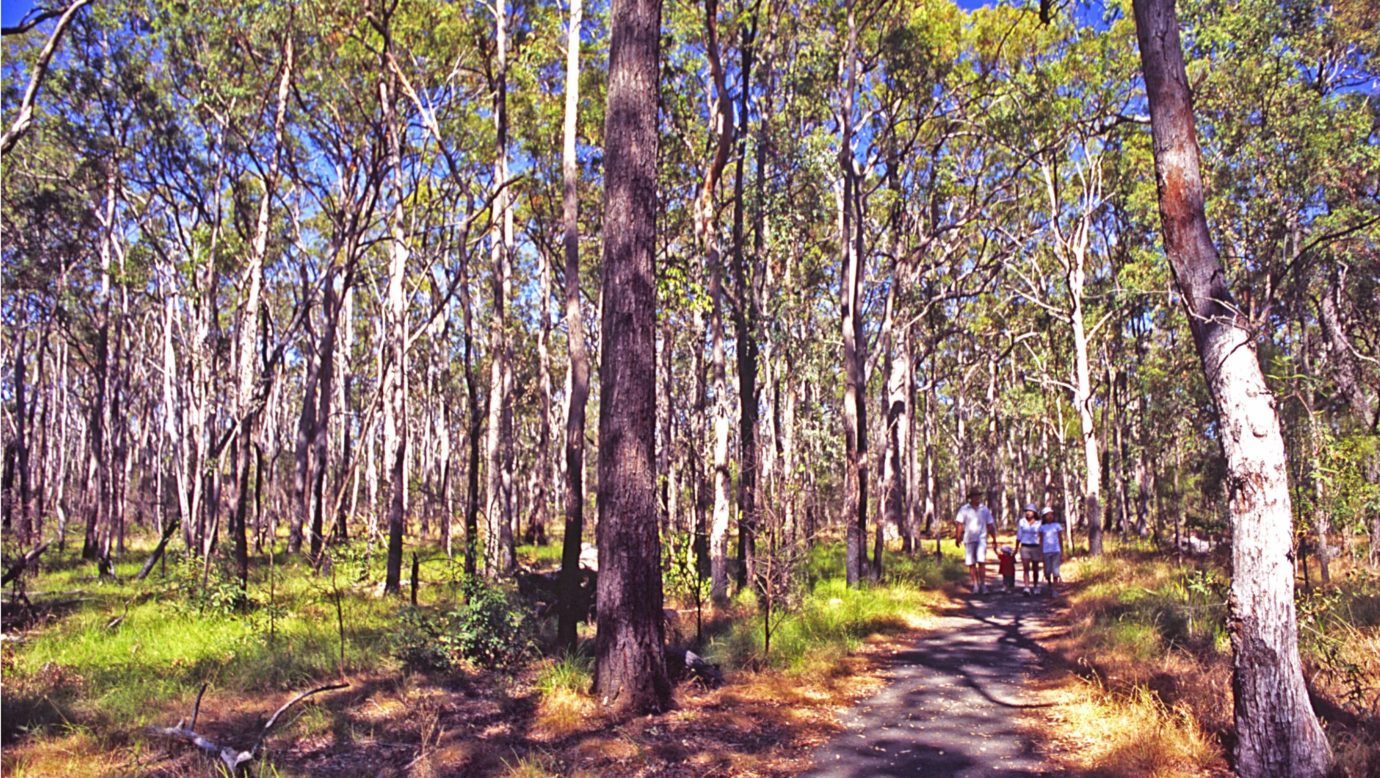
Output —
(230, 757)
(23, 562)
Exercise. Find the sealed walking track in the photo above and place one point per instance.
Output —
(956, 703)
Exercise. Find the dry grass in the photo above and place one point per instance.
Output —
(1097, 732)
(1140, 683)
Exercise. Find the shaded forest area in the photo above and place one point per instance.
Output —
(431, 348)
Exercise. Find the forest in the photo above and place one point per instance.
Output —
(524, 388)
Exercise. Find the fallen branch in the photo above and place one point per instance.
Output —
(168, 531)
(23, 562)
(231, 758)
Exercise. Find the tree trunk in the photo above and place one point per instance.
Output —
(395, 373)
(706, 211)
(630, 669)
(500, 555)
(850, 311)
(745, 335)
(895, 485)
(321, 430)
(1082, 401)
(577, 377)
(543, 470)
(1277, 732)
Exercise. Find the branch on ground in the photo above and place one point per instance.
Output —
(229, 756)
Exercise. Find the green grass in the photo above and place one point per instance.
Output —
(548, 555)
(76, 671)
(569, 673)
(827, 618)
(1167, 605)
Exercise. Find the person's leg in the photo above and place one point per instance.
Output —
(973, 552)
(982, 564)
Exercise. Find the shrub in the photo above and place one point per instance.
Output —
(489, 628)
(221, 592)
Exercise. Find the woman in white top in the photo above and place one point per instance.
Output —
(1051, 532)
(1028, 538)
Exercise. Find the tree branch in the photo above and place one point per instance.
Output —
(26, 106)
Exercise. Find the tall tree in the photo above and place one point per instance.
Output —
(706, 225)
(852, 266)
(630, 669)
(578, 369)
(1277, 732)
(498, 445)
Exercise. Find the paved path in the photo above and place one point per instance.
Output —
(954, 702)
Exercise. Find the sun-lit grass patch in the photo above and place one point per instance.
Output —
(548, 555)
(83, 666)
(1150, 631)
(78, 752)
(1133, 734)
(565, 702)
(828, 621)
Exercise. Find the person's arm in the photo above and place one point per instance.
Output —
(992, 529)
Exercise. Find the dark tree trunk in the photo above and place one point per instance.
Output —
(1277, 732)
(630, 670)
(476, 427)
(744, 328)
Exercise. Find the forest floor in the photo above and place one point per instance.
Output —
(1125, 673)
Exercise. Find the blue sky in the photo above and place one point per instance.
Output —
(13, 10)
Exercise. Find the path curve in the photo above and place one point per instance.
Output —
(954, 703)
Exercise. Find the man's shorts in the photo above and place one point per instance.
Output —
(1031, 554)
(1052, 563)
(975, 551)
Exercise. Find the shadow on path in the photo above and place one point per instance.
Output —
(953, 703)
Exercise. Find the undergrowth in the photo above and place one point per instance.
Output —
(1149, 635)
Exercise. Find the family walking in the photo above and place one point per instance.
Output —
(1038, 534)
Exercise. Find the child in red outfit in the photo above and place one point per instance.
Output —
(1006, 565)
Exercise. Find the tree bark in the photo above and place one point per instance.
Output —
(498, 507)
(577, 378)
(395, 334)
(706, 217)
(630, 670)
(850, 309)
(1277, 732)
(744, 332)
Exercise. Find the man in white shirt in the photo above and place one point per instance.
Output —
(974, 525)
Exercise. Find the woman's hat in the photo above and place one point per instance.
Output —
(1030, 507)
(1047, 511)
(975, 491)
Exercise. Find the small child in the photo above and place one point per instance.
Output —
(1006, 565)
